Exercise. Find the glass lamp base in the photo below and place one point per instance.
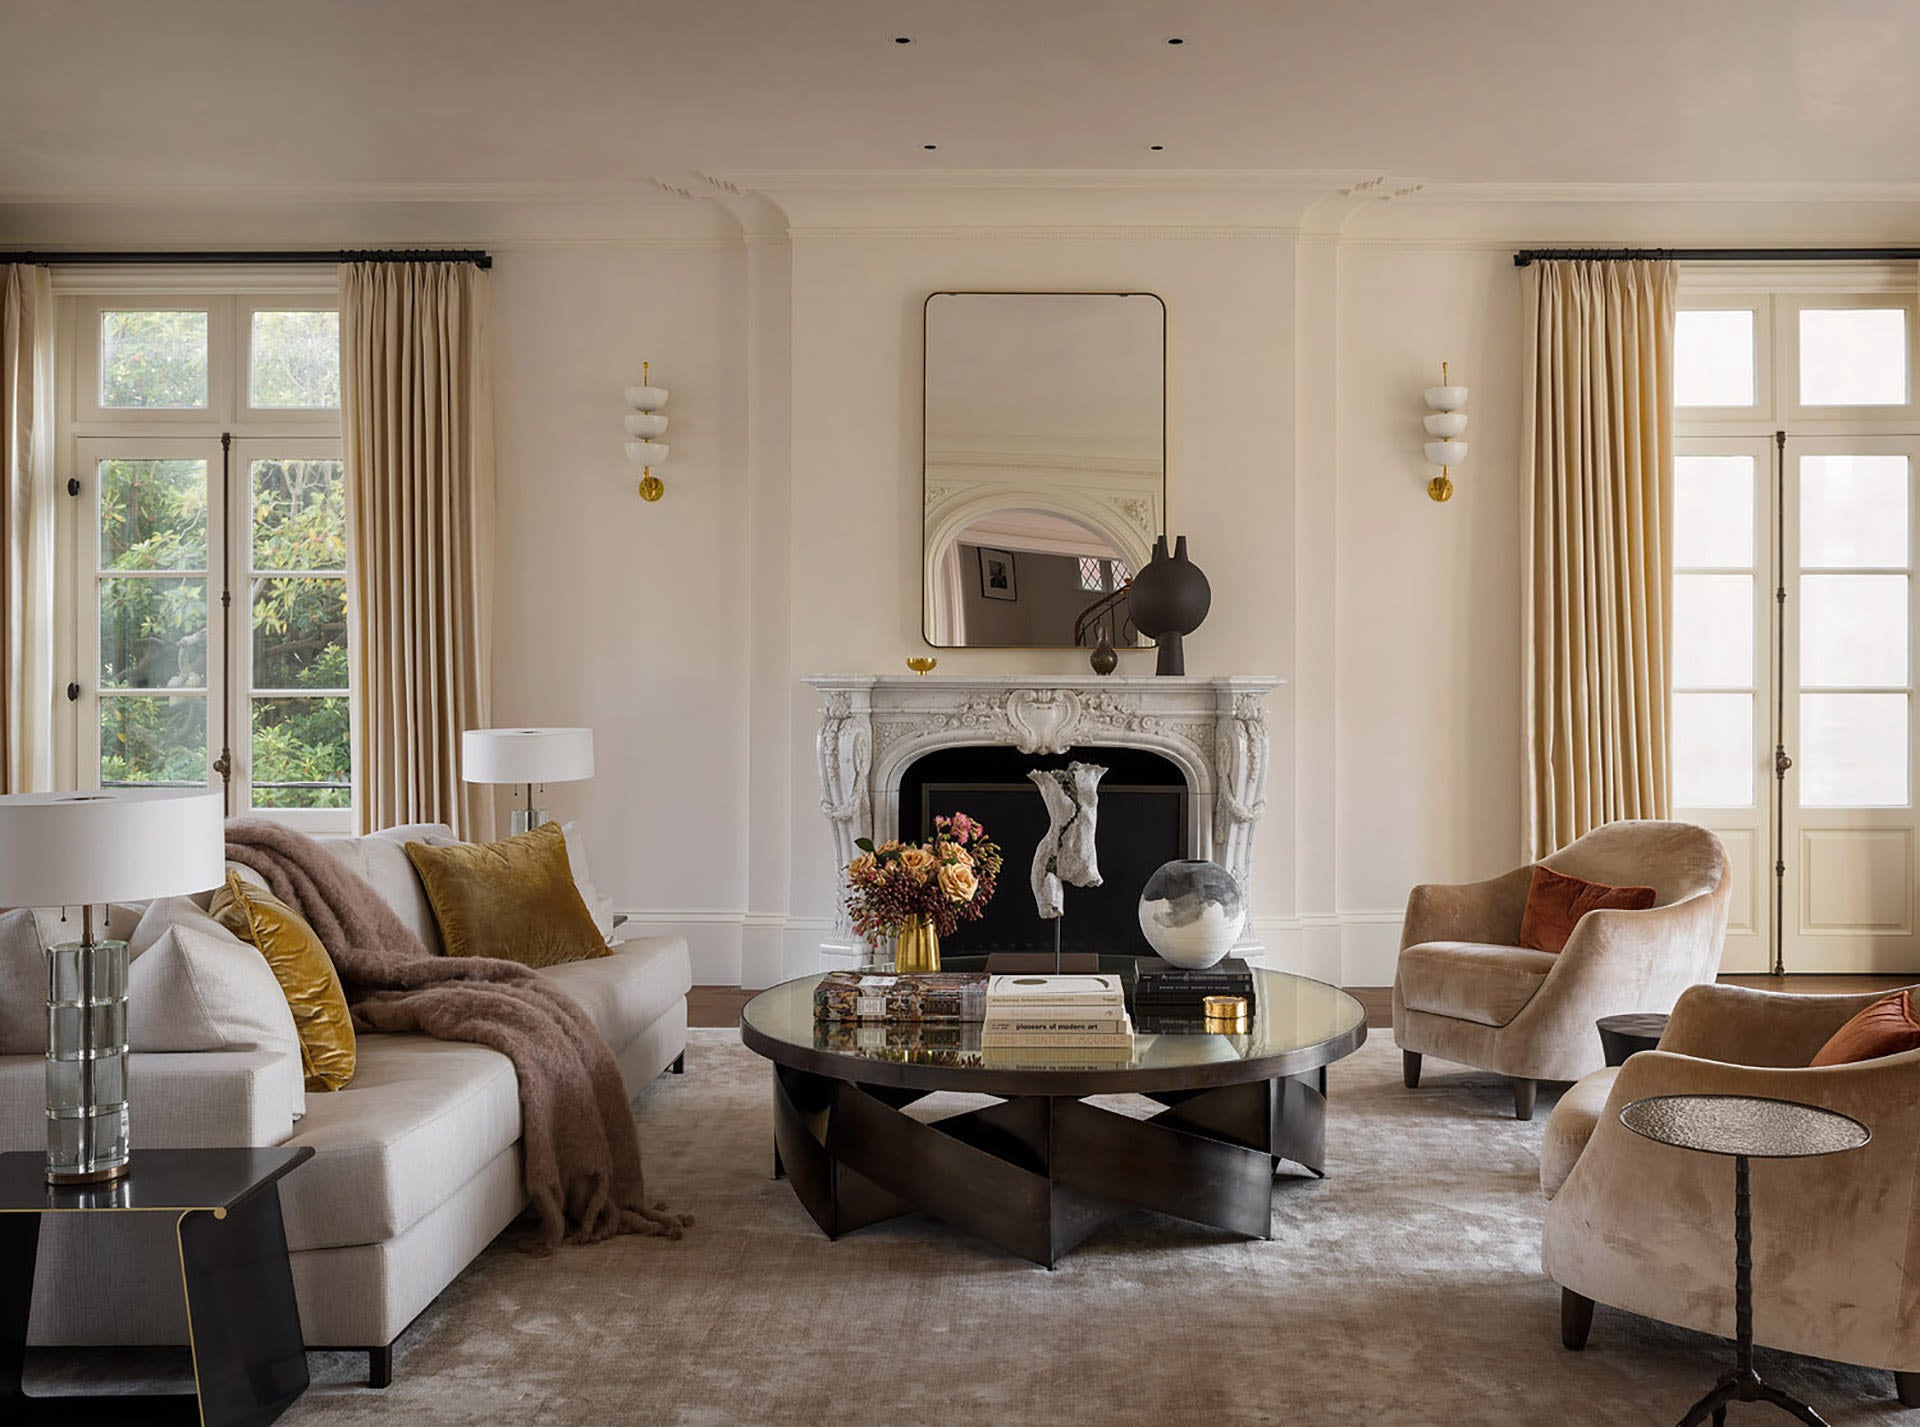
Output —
(87, 1121)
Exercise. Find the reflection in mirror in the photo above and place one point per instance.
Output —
(1045, 478)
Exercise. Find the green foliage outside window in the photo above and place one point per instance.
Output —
(153, 359)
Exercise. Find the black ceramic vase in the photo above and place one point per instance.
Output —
(1170, 598)
(1105, 658)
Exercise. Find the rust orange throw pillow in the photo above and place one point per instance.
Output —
(1556, 902)
(1887, 1027)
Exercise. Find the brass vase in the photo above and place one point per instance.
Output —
(918, 946)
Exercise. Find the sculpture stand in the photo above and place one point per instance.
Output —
(1172, 658)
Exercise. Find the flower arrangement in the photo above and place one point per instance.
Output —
(947, 880)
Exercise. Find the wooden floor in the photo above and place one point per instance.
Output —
(720, 1005)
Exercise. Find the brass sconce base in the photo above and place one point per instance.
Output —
(652, 488)
(1441, 487)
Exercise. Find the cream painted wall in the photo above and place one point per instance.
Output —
(626, 617)
(1427, 610)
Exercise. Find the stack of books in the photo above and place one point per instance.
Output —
(1166, 993)
(1058, 1018)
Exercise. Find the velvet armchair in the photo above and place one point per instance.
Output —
(1836, 1240)
(1467, 992)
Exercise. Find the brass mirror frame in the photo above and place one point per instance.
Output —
(926, 306)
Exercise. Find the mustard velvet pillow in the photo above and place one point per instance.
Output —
(511, 901)
(305, 973)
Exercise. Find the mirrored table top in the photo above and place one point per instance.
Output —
(1296, 1025)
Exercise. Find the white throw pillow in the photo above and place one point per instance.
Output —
(193, 990)
(601, 907)
(23, 985)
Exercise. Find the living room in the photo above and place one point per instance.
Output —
(1489, 364)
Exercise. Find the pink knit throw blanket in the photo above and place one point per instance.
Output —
(582, 1150)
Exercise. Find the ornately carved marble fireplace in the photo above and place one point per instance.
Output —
(874, 727)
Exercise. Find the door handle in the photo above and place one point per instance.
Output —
(1781, 763)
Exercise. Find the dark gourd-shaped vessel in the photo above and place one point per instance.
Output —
(1170, 599)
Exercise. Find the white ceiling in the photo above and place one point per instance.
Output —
(109, 98)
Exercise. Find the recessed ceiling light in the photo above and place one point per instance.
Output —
(929, 146)
(1176, 40)
(903, 39)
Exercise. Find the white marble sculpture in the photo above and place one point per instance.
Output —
(1066, 854)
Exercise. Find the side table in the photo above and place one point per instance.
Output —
(1746, 1128)
(249, 1362)
(1622, 1036)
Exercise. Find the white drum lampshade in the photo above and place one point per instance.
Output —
(526, 756)
(80, 850)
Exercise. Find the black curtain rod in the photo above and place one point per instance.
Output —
(371, 255)
(1527, 256)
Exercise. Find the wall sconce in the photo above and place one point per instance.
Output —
(644, 423)
(1447, 424)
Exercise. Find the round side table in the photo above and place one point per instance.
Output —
(1622, 1036)
(1746, 1128)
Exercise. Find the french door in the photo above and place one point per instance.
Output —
(1794, 648)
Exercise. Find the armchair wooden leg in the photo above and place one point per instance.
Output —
(380, 1366)
(1410, 1068)
(1524, 1092)
(1907, 1384)
(1576, 1320)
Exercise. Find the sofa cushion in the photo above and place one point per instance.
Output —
(420, 1119)
(23, 985)
(380, 859)
(513, 900)
(626, 992)
(1470, 980)
(1571, 1125)
(305, 972)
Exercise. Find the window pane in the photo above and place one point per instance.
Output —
(153, 515)
(153, 633)
(1713, 631)
(300, 753)
(1853, 750)
(1092, 574)
(153, 740)
(1713, 512)
(1713, 357)
(1122, 574)
(1853, 511)
(153, 359)
(294, 360)
(1853, 356)
(1853, 631)
(300, 633)
(1713, 750)
(299, 515)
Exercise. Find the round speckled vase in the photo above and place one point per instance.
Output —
(1192, 913)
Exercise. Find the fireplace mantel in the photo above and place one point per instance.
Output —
(873, 726)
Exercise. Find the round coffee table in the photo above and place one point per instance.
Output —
(1042, 1169)
(1744, 1127)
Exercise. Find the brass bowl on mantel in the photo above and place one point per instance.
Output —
(921, 663)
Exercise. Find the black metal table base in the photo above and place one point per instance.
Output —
(249, 1363)
(1037, 1174)
(1744, 1383)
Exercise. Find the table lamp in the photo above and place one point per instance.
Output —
(526, 756)
(83, 850)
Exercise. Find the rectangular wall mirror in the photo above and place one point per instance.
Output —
(1045, 476)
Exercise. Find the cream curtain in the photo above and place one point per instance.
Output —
(417, 418)
(1599, 585)
(26, 528)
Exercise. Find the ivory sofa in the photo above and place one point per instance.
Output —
(416, 1167)
(1836, 1240)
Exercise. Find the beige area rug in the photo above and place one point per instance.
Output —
(1405, 1288)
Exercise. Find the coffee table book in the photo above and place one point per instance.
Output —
(901, 996)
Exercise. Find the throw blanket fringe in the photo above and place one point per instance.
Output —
(581, 1147)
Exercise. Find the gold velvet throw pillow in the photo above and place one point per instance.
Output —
(305, 973)
(512, 900)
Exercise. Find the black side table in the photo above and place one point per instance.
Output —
(1747, 1128)
(1622, 1036)
(249, 1362)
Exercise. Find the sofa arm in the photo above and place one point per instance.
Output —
(1617, 961)
(1762, 1028)
(201, 1099)
(1475, 911)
